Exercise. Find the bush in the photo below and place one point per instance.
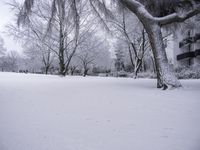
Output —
(122, 73)
(149, 75)
(192, 72)
(118, 74)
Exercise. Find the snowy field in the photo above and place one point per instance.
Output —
(39, 112)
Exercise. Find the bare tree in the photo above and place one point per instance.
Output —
(10, 61)
(2, 48)
(57, 32)
(89, 50)
(34, 44)
(135, 39)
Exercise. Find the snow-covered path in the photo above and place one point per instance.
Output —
(39, 112)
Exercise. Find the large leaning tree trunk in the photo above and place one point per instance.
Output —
(165, 74)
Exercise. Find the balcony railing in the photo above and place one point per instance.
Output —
(189, 40)
(188, 55)
(197, 52)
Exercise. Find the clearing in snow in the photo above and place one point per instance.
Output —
(39, 112)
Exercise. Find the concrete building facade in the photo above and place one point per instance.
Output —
(187, 48)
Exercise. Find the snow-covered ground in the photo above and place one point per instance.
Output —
(39, 112)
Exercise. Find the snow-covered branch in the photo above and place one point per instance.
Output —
(141, 12)
(137, 8)
(176, 17)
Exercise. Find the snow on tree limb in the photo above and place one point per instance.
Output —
(139, 8)
(175, 17)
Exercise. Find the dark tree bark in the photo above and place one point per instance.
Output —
(61, 47)
(85, 72)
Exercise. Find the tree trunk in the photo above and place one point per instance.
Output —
(165, 74)
(131, 57)
(61, 53)
(47, 69)
(137, 67)
(73, 70)
(85, 72)
(62, 66)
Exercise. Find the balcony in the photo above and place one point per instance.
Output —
(186, 42)
(197, 52)
(189, 55)
(186, 55)
(189, 40)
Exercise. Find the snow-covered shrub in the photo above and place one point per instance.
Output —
(192, 72)
(149, 75)
(103, 74)
(122, 73)
(146, 75)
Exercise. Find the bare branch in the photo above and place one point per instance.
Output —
(137, 8)
(175, 17)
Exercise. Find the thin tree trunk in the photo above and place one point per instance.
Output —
(137, 67)
(85, 72)
(47, 69)
(61, 53)
(62, 65)
(153, 64)
(73, 70)
(131, 57)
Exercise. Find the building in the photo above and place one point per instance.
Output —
(187, 47)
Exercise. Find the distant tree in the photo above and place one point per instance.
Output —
(119, 60)
(2, 48)
(136, 40)
(10, 61)
(91, 51)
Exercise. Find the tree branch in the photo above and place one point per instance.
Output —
(175, 17)
(137, 8)
(142, 13)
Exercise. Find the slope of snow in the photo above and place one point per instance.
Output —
(39, 112)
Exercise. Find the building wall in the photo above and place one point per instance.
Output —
(188, 48)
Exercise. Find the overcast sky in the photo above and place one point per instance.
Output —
(6, 16)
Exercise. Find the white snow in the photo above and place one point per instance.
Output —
(39, 112)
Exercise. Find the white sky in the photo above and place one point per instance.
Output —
(7, 16)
